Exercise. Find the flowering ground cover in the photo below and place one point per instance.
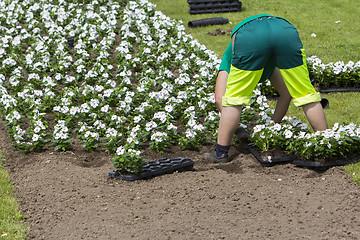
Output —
(334, 75)
(295, 137)
(120, 77)
(75, 71)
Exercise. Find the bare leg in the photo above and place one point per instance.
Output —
(316, 116)
(229, 121)
(313, 111)
(283, 102)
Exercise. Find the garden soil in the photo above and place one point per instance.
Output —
(68, 195)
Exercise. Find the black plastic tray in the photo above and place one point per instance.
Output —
(214, 6)
(156, 168)
(217, 10)
(253, 149)
(325, 165)
(331, 90)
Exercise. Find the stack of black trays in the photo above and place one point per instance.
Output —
(213, 6)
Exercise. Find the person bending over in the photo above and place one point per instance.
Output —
(263, 47)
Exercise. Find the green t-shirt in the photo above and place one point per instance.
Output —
(226, 60)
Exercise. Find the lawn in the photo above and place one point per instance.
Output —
(332, 21)
(10, 218)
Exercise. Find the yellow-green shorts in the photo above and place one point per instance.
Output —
(258, 47)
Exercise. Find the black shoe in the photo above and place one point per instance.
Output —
(242, 134)
(212, 156)
(324, 103)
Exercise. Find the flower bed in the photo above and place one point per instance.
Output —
(117, 76)
(320, 149)
(334, 75)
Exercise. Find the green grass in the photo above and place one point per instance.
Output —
(353, 170)
(11, 226)
(333, 42)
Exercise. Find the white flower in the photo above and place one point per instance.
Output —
(337, 136)
(327, 133)
(37, 129)
(99, 88)
(64, 109)
(35, 137)
(120, 150)
(357, 132)
(149, 126)
(199, 127)
(105, 108)
(158, 136)
(303, 126)
(191, 122)
(64, 135)
(57, 135)
(258, 128)
(171, 126)
(82, 128)
(190, 134)
(182, 95)
(16, 115)
(87, 134)
(94, 103)
(128, 99)
(74, 110)
(169, 108)
(84, 108)
(288, 134)
(257, 92)
(108, 92)
(313, 35)
(137, 119)
(133, 134)
(259, 100)
(277, 127)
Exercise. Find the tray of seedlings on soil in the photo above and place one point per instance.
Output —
(270, 158)
(156, 168)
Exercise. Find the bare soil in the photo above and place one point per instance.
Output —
(68, 195)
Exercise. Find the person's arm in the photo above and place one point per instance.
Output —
(222, 76)
(220, 87)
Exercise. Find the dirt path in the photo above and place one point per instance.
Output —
(69, 196)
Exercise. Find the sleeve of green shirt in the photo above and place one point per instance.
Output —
(226, 60)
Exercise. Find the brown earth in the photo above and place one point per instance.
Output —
(70, 196)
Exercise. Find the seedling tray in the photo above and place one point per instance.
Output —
(257, 154)
(213, 6)
(156, 168)
(325, 165)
